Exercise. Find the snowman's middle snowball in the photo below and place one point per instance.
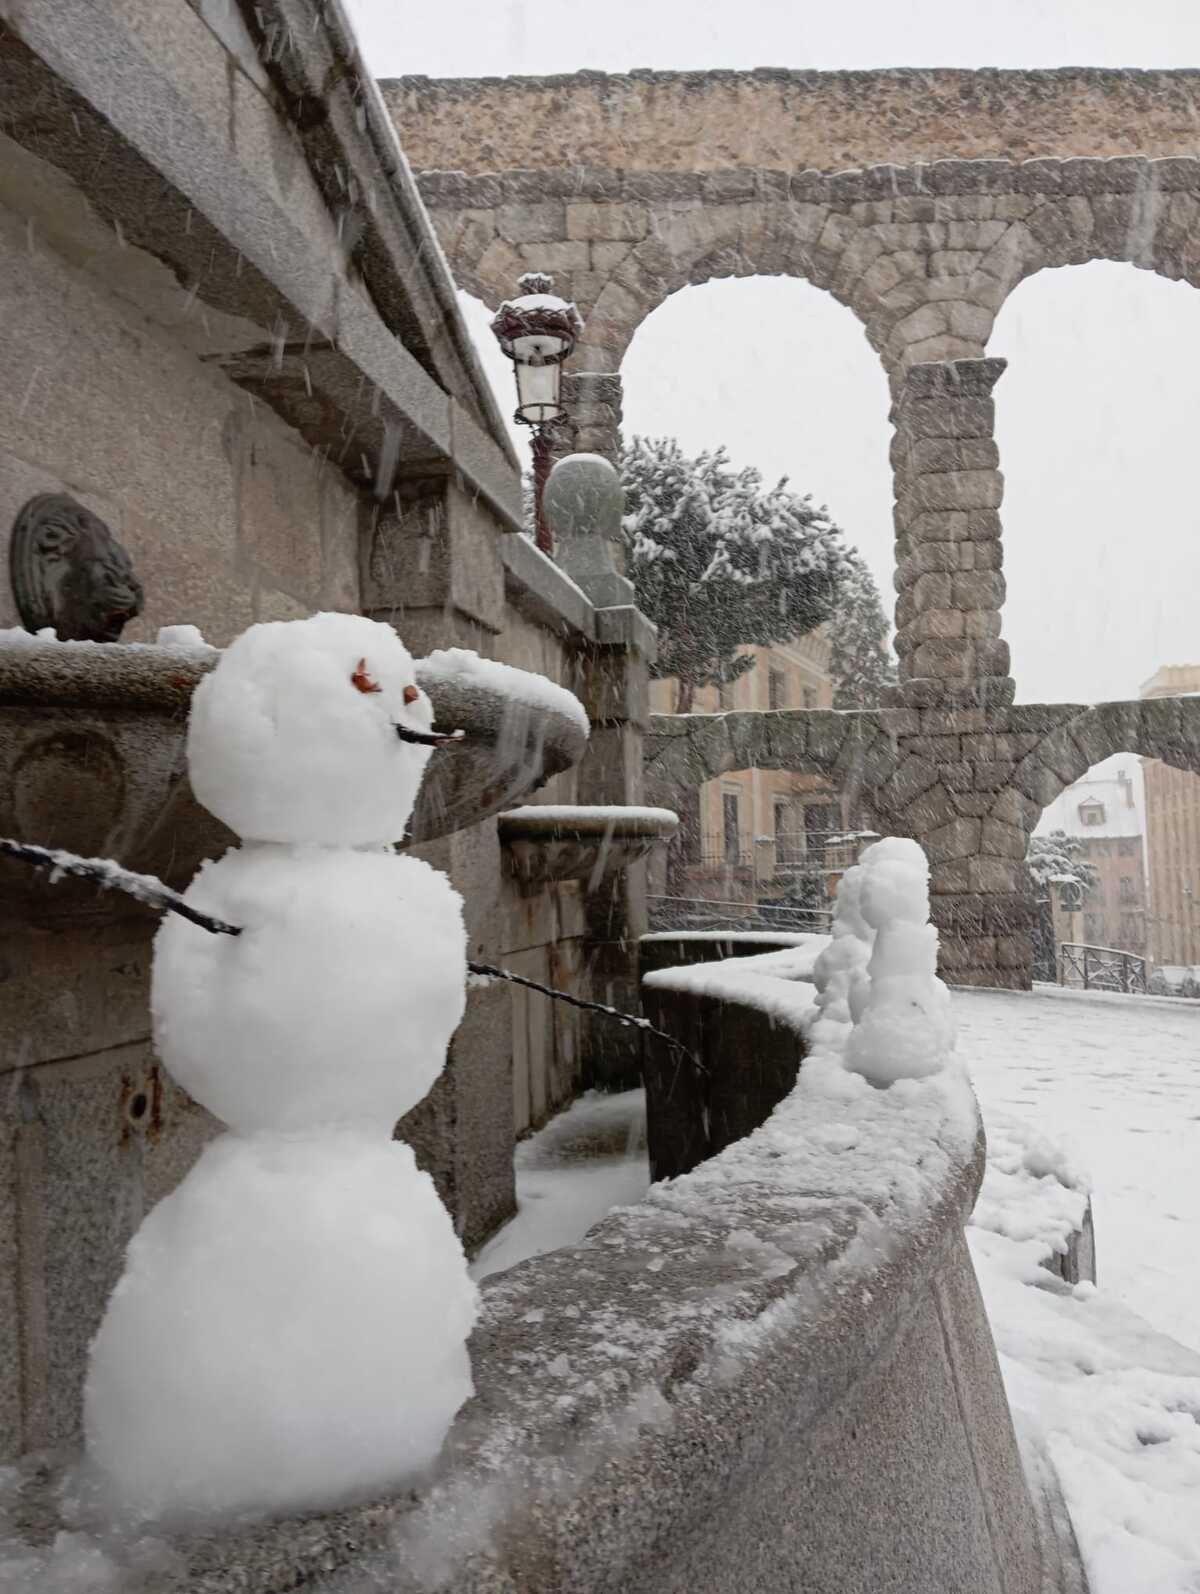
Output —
(336, 1003)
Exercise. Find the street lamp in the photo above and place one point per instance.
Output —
(537, 331)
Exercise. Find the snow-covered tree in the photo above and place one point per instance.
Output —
(718, 561)
(861, 661)
(1057, 859)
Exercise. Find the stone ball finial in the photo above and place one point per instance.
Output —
(584, 497)
(583, 503)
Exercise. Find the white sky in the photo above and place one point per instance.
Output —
(1098, 415)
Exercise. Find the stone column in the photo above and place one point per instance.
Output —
(616, 694)
(431, 567)
(948, 550)
(592, 400)
(583, 504)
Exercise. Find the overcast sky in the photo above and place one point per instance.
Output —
(1098, 415)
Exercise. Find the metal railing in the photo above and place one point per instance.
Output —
(706, 913)
(1100, 968)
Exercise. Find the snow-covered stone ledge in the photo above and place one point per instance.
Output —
(772, 1372)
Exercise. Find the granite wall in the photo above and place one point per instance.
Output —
(716, 120)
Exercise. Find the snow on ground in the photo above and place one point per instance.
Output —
(586, 1161)
(1114, 1403)
(1118, 1079)
(1077, 1089)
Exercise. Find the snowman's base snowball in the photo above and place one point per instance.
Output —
(289, 1333)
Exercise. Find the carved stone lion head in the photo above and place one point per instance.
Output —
(70, 572)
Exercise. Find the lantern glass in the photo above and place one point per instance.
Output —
(537, 394)
(534, 347)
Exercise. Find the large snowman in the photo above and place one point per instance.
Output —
(290, 1329)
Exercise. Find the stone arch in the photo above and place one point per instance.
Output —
(857, 752)
(684, 247)
(924, 254)
(1166, 728)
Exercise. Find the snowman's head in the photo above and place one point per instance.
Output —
(312, 732)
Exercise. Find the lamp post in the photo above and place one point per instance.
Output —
(537, 331)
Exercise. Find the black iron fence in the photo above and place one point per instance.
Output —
(1100, 968)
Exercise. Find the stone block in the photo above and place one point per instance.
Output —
(944, 660)
(934, 624)
(967, 489)
(997, 875)
(971, 321)
(949, 877)
(981, 625)
(958, 839)
(931, 809)
(931, 455)
(1000, 840)
(978, 589)
(1013, 807)
(560, 259)
(543, 222)
(933, 591)
(957, 777)
(1012, 951)
(913, 776)
(606, 257)
(992, 659)
(590, 222)
(945, 347)
(940, 417)
(953, 722)
(973, 804)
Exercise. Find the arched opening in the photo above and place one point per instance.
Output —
(778, 373)
(759, 850)
(1096, 421)
(1094, 927)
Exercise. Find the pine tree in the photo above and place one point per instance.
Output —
(719, 562)
(1058, 859)
(861, 661)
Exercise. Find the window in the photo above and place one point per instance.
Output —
(808, 697)
(1125, 889)
(733, 843)
(1093, 927)
(776, 689)
(1091, 812)
(1129, 847)
(789, 841)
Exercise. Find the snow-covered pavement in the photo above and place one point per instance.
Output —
(1118, 1079)
(1106, 1380)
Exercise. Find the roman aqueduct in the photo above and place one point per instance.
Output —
(919, 200)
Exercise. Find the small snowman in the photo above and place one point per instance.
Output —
(290, 1328)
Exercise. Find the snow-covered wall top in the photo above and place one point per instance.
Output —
(711, 1379)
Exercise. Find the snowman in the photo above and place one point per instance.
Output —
(290, 1328)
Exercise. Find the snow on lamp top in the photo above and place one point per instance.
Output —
(312, 732)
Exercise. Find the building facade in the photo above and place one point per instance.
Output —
(1173, 838)
(761, 837)
(1104, 812)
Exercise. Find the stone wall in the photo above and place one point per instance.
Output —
(227, 514)
(967, 781)
(731, 1384)
(711, 121)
